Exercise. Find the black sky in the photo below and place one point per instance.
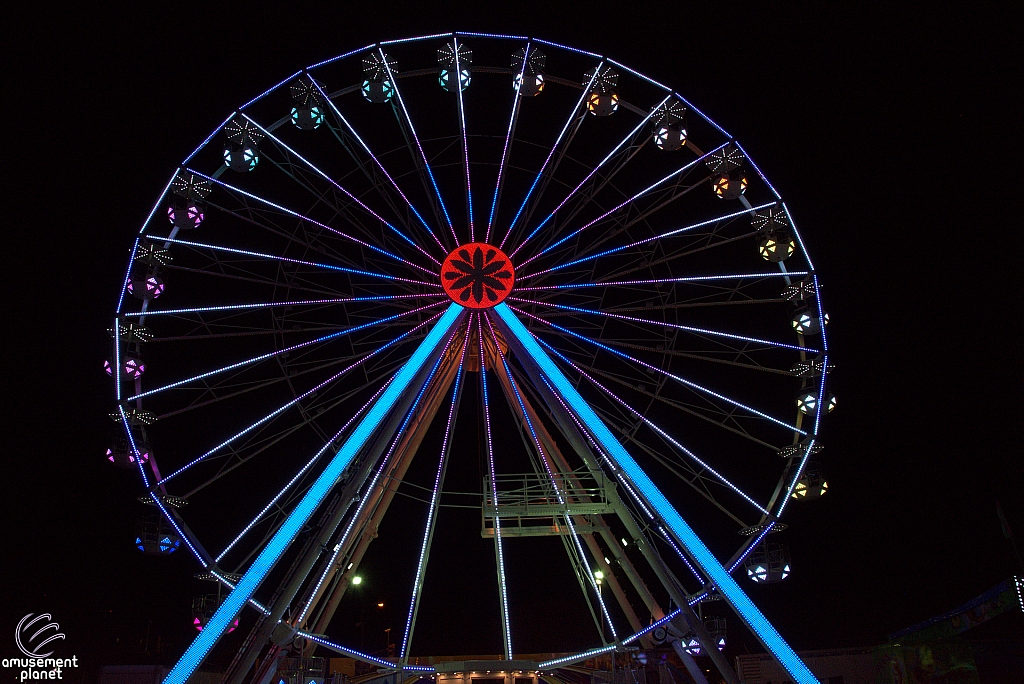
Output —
(889, 132)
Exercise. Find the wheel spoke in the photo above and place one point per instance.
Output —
(298, 475)
(284, 407)
(674, 326)
(465, 143)
(590, 175)
(673, 376)
(654, 239)
(491, 473)
(544, 166)
(655, 281)
(516, 102)
(263, 357)
(331, 267)
(265, 305)
(348, 194)
(315, 223)
(423, 155)
(380, 166)
(619, 206)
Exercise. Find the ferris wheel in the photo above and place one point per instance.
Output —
(497, 229)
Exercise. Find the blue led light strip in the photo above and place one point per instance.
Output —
(263, 357)
(268, 91)
(364, 656)
(643, 192)
(637, 73)
(135, 449)
(680, 380)
(558, 140)
(578, 657)
(796, 231)
(629, 136)
(654, 238)
(335, 59)
(208, 139)
(703, 115)
(416, 138)
(819, 409)
(117, 357)
(128, 271)
(753, 545)
(758, 172)
(689, 279)
(366, 147)
(674, 326)
(313, 497)
(679, 528)
(490, 35)
(410, 40)
(465, 143)
(566, 47)
(508, 137)
(307, 219)
(149, 218)
(343, 190)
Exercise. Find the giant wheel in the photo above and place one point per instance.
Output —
(319, 279)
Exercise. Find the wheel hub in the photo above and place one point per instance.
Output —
(477, 275)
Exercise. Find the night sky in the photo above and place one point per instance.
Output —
(889, 133)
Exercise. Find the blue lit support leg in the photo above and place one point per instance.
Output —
(277, 545)
(696, 548)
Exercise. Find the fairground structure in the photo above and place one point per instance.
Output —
(319, 280)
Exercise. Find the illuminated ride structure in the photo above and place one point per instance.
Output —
(319, 282)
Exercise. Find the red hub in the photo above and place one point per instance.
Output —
(477, 275)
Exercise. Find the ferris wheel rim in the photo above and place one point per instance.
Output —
(171, 239)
